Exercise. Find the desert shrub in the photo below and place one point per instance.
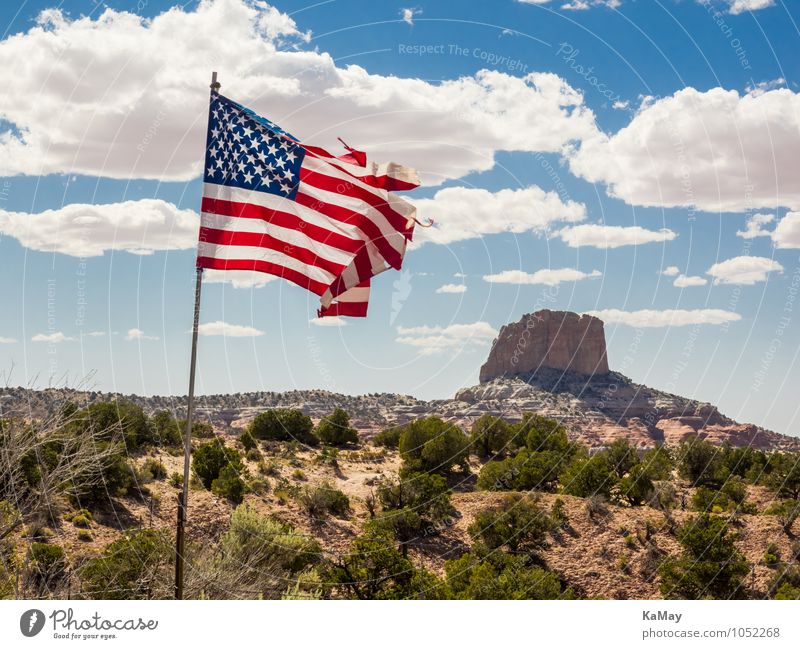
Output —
(260, 553)
(111, 476)
(210, 458)
(269, 468)
(81, 521)
(176, 479)
(637, 487)
(253, 455)
(787, 512)
(299, 474)
(335, 429)
(596, 506)
(155, 469)
(517, 524)
(710, 565)
(388, 437)
(200, 429)
(85, 535)
(558, 513)
(433, 445)
(167, 429)
(743, 461)
(786, 584)
(248, 441)
(374, 568)
(710, 500)
(586, 477)
(325, 499)
(136, 566)
(229, 484)
(620, 457)
(101, 418)
(413, 506)
(659, 463)
(498, 475)
(489, 436)
(664, 496)
(47, 564)
(772, 555)
(735, 489)
(498, 575)
(701, 463)
(784, 476)
(283, 424)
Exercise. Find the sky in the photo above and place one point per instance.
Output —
(634, 160)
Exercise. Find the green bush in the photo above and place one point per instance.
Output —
(106, 419)
(283, 425)
(710, 565)
(498, 575)
(518, 524)
(325, 499)
(155, 469)
(701, 463)
(389, 437)
(136, 566)
(620, 457)
(772, 555)
(176, 479)
(659, 463)
(47, 564)
(433, 445)
(784, 476)
(335, 429)
(209, 459)
(786, 584)
(81, 521)
(490, 436)
(637, 486)
(229, 485)
(787, 512)
(248, 441)
(586, 477)
(167, 429)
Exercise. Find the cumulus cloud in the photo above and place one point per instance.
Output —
(684, 281)
(330, 321)
(715, 150)
(461, 213)
(740, 6)
(220, 328)
(7, 341)
(743, 270)
(547, 276)
(452, 288)
(612, 236)
(436, 340)
(787, 232)
(140, 227)
(138, 334)
(666, 318)
(671, 271)
(754, 226)
(583, 5)
(52, 338)
(237, 278)
(125, 96)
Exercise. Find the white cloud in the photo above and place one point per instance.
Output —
(237, 278)
(459, 275)
(547, 276)
(138, 334)
(583, 5)
(753, 229)
(452, 288)
(220, 328)
(95, 334)
(666, 318)
(140, 227)
(124, 96)
(408, 14)
(684, 281)
(743, 270)
(461, 213)
(740, 6)
(435, 340)
(52, 338)
(7, 341)
(787, 232)
(715, 150)
(612, 236)
(329, 321)
(671, 271)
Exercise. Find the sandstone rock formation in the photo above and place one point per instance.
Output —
(559, 340)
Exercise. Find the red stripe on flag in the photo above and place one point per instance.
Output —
(263, 267)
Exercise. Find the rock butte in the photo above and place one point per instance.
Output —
(559, 340)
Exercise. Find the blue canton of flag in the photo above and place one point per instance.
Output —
(248, 151)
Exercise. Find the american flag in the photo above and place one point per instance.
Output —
(275, 205)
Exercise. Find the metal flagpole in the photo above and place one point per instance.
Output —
(183, 498)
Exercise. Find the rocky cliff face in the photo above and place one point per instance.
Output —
(559, 340)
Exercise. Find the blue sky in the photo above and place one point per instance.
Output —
(606, 159)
